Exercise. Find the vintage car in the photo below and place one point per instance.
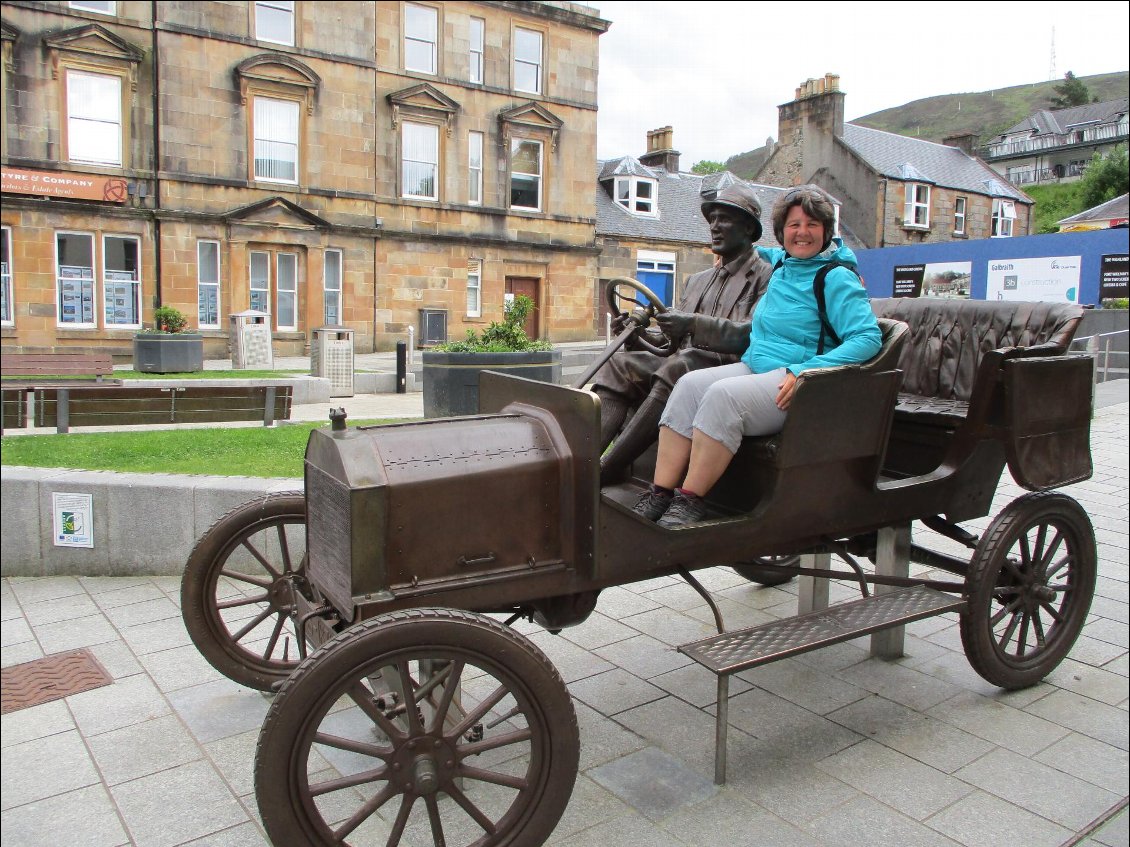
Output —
(378, 605)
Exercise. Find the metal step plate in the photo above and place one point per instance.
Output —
(746, 648)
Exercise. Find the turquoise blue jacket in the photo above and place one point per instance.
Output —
(786, 322)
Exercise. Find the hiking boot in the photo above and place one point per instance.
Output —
(684, 509)
(652, 505)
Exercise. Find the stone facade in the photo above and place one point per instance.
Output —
(199, 168)
(869, 172)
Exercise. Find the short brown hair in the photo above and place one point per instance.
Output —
(815, 203)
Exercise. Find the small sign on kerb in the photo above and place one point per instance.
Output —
(73, 519)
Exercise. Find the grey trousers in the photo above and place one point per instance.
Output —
(725, 403)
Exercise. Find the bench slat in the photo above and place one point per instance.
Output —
(56, 364)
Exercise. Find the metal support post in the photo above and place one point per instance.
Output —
(63, 410)
(269, 407)
(892, 558)
(721, 725)
(401, 367)
(812, 591)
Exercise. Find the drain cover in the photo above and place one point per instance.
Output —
(50, 678)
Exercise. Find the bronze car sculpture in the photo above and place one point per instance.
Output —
(421, 716)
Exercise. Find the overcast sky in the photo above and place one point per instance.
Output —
(716, 72)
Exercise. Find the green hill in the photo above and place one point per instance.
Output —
(986, 113)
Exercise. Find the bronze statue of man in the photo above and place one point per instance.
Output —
(714, 310)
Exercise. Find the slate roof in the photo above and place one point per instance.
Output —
(680, 199)
(1119, 207)
(1060, 121)
(896, 156)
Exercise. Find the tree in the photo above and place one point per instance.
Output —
(1071, 92)
(707, 167)
(1106, 177)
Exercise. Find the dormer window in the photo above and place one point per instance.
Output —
(638, 195)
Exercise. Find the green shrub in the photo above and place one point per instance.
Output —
(506, 337)
(169, 319)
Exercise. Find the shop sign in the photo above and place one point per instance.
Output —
(72, 186)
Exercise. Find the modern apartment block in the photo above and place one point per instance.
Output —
(377, 165)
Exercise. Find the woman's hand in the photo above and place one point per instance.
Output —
(786, 390)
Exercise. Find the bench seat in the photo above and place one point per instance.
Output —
(949, 338)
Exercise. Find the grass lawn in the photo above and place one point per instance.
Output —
(251, 451)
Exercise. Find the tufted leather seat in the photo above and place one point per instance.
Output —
(949, 337)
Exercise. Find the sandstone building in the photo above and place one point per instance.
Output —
(379, 165)
(895, 190)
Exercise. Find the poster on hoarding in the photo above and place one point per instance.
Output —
(1048, 279)
(1114, 281)
(908, 280)
(73, 519)
(936, 279)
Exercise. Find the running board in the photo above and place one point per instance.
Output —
(742, 649)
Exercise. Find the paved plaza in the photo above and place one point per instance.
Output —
(831, 748)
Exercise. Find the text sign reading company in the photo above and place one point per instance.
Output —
(74, 186)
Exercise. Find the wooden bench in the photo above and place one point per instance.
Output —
(68, 407)
(57, 369)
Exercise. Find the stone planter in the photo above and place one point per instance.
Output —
(165, 353)
(451, 380)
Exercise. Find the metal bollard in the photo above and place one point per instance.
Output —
(401, 367)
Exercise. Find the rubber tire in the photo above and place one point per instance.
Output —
(982, 647)
(763, 569)
(198, 600)
(284, 800)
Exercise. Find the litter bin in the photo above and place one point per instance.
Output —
(331, 357)
(251, 341)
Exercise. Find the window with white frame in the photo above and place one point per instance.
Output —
(959, 216)
(527, 60)
(260, 281)
(208, 284)
(274, 21)
(420, 161)
(74, 275)
(1004, 213)
(6, 302)
(331, 287)
(917, 211)
(421, 23)
(94, 118)
(525, 174)
(476, 37)
(286, 291)
(121, 281)
(474, 288)
(275, 129)
(638, 195)
(103, 7)
(475, 168)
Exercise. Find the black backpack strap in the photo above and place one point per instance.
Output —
(818, 291)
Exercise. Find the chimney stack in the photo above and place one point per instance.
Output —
(966, 141)
(660, 150)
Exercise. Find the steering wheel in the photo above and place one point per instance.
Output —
(616, 298)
